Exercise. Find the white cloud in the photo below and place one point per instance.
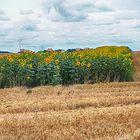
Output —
(103, 18)
(69, 23)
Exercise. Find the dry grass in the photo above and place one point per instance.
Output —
(79, 112)
(136, 58)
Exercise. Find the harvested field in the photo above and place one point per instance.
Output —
(79, 112)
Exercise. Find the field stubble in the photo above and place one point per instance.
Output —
(79, 112)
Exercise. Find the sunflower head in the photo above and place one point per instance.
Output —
(83, 64)
(48, 61)
(10, 59)
(88, 65)
(56, 62)
(78, 63)
(30, 66)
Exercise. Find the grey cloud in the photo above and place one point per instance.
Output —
(105, 22)
(127, 14)
(26, 12)
(4, 18)
(2, 34)
(122, 41)
(2, 12)
(65, 10)
(124, 4)
(57, 11)
(136, 26)
(27, 25)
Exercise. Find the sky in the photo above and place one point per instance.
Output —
(64, 24)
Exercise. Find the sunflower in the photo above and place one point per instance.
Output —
(88, 65)
(56, 62)
(30, 66)
(10, 59)
(78, 63)
(83, 64)
(48, 61)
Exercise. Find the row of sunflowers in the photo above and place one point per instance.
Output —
(30, 69)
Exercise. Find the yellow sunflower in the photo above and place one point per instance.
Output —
(56, 62)
(48, 61)
(88, 65)
(10, 59)
(78, 63)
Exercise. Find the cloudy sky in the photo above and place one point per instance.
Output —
(42, 24)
